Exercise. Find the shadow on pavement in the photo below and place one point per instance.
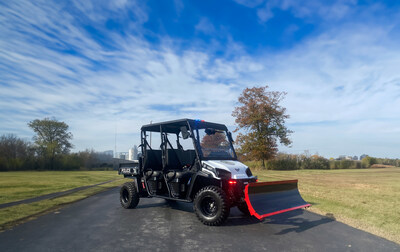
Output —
(300, 224)
(241, 220)
(236, 218)
(161, 204)
(187, 207)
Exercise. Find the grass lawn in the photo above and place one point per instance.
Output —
(368, 199)
(16, 186)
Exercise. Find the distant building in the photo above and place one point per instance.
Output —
(345, 157)
(133, 152)
(122, 155)
(108, 153)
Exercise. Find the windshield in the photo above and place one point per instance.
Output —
(215, 144)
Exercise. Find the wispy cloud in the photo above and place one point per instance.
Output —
(103, 86)
(332, 10)
(69, 61)
(205, 26)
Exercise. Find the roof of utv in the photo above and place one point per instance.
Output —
(175, 126)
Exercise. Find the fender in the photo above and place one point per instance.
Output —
(138, 186)
(200, 180)
(135, 181)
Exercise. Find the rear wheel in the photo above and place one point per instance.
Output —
(211, 206)
(128, 196)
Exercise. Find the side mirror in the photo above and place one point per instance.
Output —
(185, 133)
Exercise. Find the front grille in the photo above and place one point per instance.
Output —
(248, 172)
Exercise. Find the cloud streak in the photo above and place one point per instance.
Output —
(69, 62)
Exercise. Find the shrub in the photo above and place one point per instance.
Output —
(368, 161)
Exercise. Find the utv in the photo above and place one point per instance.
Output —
(194, 161)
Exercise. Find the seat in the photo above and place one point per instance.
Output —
(152, 164)
(187, 157)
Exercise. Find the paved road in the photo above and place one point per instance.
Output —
(99, 223)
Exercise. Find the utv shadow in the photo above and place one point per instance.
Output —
(236, 218)
(299, 224)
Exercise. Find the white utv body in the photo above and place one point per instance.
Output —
(195, 161)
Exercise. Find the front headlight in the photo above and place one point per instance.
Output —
(209, 168)
(223, 174)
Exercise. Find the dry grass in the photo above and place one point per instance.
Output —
(381, 166)
(368, 199)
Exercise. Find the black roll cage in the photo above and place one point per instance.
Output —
(173, 127)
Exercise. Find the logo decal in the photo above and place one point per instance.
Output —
(237, 169)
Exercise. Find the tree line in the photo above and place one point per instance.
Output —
(299, 162)
(50, 150)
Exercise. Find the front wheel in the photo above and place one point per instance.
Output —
(211, 206)
(243, 208)
(128, 195)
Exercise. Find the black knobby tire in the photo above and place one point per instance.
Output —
(128, 196)
(243, 208)
(211, 206)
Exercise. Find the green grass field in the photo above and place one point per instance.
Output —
(16, 186)
(368, 199)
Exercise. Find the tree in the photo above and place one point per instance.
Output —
(214, 141)
(15, 153)
(262, 121)
(51, 139)
(368, 161)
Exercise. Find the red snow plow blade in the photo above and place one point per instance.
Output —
(269, 198)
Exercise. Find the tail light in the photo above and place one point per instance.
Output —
(232, 182)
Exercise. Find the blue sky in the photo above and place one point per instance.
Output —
(106, 66)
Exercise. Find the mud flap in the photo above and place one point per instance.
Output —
(269, 198)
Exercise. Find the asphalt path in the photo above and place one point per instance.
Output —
(99, 223)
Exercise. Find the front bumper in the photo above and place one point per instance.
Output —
(234, 189)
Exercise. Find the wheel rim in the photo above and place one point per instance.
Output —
(209, 206)
(125, 196)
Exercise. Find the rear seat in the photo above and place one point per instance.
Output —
(152, 163)
(176, 160)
